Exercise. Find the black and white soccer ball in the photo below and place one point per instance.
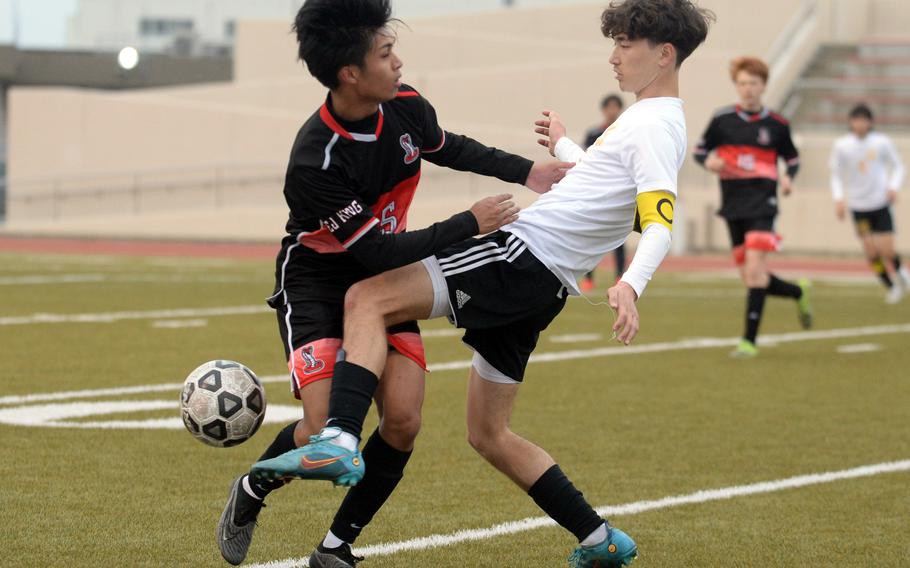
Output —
(222, 403)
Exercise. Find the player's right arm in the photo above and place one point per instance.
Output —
(357, 229)
(837, 183)
(707, 143)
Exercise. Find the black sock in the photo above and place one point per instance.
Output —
(284, 442)
(754, 308)
(896, 259)
(565, 504)
(879, 267)
(384, 469)
(778, 287)
(352, 394)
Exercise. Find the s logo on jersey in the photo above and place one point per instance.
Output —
(764, 136)
(411, 152)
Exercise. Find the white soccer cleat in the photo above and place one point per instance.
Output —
(904, 275)
(895, 294)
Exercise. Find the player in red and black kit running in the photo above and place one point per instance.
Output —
(353, 172)
(747, 140)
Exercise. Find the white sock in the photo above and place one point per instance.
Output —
(332, 541)
(596, 537)
(343, 439)
(249, 490)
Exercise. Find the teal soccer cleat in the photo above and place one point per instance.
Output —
(320, 459)
(618, 550)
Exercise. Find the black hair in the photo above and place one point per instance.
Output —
(677, 22)
(861, 110)
(611, 99)
(332, 34)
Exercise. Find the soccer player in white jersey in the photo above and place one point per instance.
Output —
(507, 287)
(866, 174)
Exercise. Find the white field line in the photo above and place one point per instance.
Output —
(110, 317)
(532, 523)
(859, 348)
(179, 323)
(686, 344)
(32, 280)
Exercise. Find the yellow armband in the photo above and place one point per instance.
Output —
(654, 207)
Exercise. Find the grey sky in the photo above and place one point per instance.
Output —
(42, 23)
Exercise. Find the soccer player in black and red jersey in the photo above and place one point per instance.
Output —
(743, 144)
(353, 172)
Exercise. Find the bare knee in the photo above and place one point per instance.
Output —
(360, 298)
(401, 429)
(486, 440)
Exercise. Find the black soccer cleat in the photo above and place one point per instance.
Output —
(340, 557)
(238, 521)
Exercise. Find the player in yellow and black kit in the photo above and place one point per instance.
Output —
(743, 144)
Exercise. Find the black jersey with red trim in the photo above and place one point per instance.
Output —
(349, 186)
(750, 145)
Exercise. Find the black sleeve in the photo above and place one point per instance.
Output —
(707, 142)
(466, 154)
(787, 150)
(324, 195)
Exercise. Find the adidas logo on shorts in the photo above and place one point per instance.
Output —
(462, 298)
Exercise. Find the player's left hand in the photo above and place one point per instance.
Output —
(622, 299)
(786, 185)
(544, 174)
(552, 127)
(892, 196)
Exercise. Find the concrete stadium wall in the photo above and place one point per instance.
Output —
(488, 75)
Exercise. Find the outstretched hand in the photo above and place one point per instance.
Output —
(494, 212)
(622, 299)
(552, 127)
(544, 174)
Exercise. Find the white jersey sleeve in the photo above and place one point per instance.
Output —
(651, 155)
(836, 166)
(896, 179)
(568, 151)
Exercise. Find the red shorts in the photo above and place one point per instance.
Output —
(311, 332)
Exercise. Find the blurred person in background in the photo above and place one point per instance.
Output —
(610, 107)
(866, 174)
(742, 145)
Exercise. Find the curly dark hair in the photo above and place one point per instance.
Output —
(677, 22)
(332, 34)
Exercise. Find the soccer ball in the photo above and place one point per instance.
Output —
(222, 403)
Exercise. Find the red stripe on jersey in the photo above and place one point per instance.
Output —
(407, 94)
(747, 162)
(401, 195)
(442, 143)
(330, 121)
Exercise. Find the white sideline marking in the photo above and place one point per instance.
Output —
(61, 279)
(532, 523)
(59, 415)
(859, 348)
(576, 337)
(696, 343)
(111, 317)
(179, 324)
(31, 280)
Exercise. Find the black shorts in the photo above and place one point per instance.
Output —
(502, 295)
(878, 221)
(739, 227)
(311, 332)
